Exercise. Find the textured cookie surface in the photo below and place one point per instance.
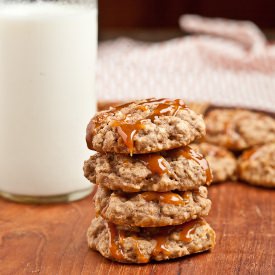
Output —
(239, 129)
(222, 162)
(151, 209)
(178, 169)
(144, 126)
(257, 166)
(141, 245)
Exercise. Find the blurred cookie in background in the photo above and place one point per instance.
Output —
(237, 129)
(257, 166)
(222, 162)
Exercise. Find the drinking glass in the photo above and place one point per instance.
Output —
(47, 96)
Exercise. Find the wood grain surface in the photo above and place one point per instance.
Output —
(51, 239)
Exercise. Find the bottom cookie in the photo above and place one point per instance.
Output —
(141, 245)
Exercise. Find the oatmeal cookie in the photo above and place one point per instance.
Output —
(144, 126)
(178, 169)
(141, 245)
(222, 162)
(151, 209)
(239, 129)
(257, 166)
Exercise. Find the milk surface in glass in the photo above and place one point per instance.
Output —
(47, 95)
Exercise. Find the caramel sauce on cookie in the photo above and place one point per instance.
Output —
(188, 153)
(164, 197)
(166, 106)
(161, 236)
(116, 240)
(127, 131)
(159, 165)
(184, 230)
(248, 154)
(232, 132)
(160, 246)
(156, 163)
(99, 119)
(141, 258)
(189, 229)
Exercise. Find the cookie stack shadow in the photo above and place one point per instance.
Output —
(152, 194)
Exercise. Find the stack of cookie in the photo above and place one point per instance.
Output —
(151, 193)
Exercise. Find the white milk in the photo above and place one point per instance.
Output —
(47, 96)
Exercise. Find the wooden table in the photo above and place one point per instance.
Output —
(50, 239)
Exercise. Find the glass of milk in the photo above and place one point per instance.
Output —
(47, 96)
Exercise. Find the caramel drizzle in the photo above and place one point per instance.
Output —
(117, 237)
(184, 230)
(115, 241)
(141, 258)
(127, 131)
(188, 153)
(166, 106)
(160, 246)
(165, 197)
(248, 154)
(231, 135)
(159, 165)
(156, 163)
(97, 121)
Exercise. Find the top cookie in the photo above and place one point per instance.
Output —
(239, 129)
(144, 126)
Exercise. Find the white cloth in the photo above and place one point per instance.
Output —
(230, 64)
